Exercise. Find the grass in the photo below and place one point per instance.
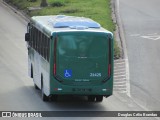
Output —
(98, 10)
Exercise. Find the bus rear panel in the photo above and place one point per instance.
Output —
(81, 64)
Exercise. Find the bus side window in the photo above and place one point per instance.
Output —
(40, 40)
(42, 37)
(41, 44)
(31, 36)
(48, 48)
(35, 37)
(45, 47)
(37, 40)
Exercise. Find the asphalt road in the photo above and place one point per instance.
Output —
(16, 88)
(141, 24)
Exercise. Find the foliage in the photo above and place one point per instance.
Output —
(98, 10)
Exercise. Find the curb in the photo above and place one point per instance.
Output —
(120, 35)
(119, 32)
(20, 13)
(116, 32)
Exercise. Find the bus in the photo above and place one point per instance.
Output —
(69, 55)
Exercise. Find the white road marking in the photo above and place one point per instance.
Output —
(123, 92)
(121, 79)
(152, 37)
(120, 86)
(135, 35)
(118, 70)
(120, 76)
(119, 82)
(121, 60)
(153, 34)
(120, 89)
(119, 63)
(127, 77)
(117, 73)
(119, 67)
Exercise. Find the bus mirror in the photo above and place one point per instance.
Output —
(27, 37)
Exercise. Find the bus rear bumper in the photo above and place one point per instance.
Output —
(82, 90)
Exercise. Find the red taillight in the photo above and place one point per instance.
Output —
(109, 70)
(55, 51)
(54, 69)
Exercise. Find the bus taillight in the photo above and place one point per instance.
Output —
(54, 69)
(110, 57)
(55, 51)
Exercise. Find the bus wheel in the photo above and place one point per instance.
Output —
(91, 98)
(99, 98)
(36, 87)
(54, 98)
(44, 97)
(31, 71)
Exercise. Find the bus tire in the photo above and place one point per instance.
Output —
(99, 98)
(36, 87)
(54, 98)
(44, 97)
(91, 98)
(31, 71)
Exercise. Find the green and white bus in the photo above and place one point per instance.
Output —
(70, 55)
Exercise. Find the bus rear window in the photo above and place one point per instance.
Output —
(82, 46)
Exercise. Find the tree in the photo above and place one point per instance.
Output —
(44, 3)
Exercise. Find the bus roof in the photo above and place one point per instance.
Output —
(62, 23)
